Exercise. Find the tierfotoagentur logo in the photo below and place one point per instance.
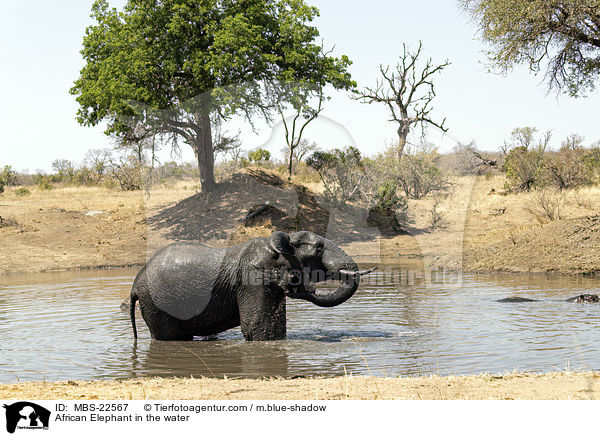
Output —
(26, 416)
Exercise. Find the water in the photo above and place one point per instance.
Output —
(58, 326)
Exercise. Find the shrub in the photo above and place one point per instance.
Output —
(524, 168)
(419, 175)
(127, 173)
(21, 192)
(525, 161)
(546, 204)
(8, 176)
(567, 168)
(259, 155)
(341, 172)
(387, 197)
(436, 217)
(43, 181)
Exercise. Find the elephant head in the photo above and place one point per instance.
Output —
(318, 259)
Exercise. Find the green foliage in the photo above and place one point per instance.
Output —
(436, 217)
(524, 168)
(65, 170)
(561, 35)
(184, 61)
(8, 177)
(259, 155)
(43, 181)
(22, 192)
(529, 165)
(419, 174)
(568, 168)
(341, 171)
(387, 197)
(525, 162)
(592, 161)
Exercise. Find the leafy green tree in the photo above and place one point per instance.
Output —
(8, 177)
(562, 36)
(341, 171)
(525, 160)
(259, 155)
(190, 64)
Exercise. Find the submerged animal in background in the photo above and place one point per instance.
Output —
(189, 289)
(583, 298)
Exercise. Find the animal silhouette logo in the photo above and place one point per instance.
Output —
(26, 415)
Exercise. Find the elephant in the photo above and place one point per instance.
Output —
(583, 298)
(189, 289)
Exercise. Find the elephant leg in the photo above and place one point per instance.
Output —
(162, 326)
(262, 314)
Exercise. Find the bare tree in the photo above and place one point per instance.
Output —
(408, 92)
(306, 100)
(301, 151)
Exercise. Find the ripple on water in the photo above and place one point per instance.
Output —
(69, 325)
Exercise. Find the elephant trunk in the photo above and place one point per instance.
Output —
(342, 293)
(338, 266)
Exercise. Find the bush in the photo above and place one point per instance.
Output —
(127, 173)
(8, 176)
(546, 204)
(567, 168)
(341, 172)
(259, 155)
(21, 192)
(524, 168)
(387, 197)
(43, 181)
(436, 217)
(419, 175)
(525, 162)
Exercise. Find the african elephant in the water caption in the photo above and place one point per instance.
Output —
(189, 289)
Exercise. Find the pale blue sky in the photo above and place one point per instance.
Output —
(40, 43)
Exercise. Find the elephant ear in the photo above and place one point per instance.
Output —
(280, 242)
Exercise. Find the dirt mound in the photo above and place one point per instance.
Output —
(386, 221)
(249, 198)
(565, 246)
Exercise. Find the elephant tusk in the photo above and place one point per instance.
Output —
(357, 273)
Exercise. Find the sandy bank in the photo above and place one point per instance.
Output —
(563, 385)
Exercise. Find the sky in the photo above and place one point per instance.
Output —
(40, 43)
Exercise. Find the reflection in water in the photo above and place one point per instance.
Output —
(69, 326)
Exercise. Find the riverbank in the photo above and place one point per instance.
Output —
(477, 228)
(515, 386)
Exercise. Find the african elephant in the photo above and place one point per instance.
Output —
(188, 289)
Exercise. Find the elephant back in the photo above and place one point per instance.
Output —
(181, 278)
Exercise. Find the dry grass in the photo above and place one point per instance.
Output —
(56, 231)
(559, 385)
(483, 228)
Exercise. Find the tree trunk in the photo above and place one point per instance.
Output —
(402, 134)
(290, 163)
(203, 148)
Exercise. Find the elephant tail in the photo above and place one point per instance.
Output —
(132, 300)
